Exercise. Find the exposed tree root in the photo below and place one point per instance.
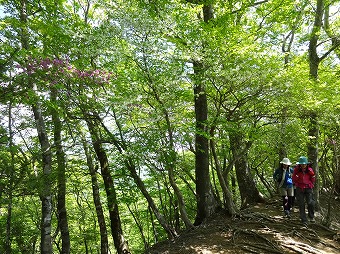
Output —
(302, 248)
(257, 217)
(259, 248)
(265, 244)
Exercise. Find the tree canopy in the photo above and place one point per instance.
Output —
(124, 123)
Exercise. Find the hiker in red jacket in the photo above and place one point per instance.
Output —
(304, 179)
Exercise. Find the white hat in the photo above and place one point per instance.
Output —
(286, 161)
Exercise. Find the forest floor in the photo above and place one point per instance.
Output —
(259, 229)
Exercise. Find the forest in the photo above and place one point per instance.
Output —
(125, 123)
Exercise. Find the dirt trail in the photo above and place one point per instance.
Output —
(259, 229)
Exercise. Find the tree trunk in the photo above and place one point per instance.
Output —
(247, 187)
(116, 229)
(104, 243)
(170, 155)
(61, 166)
(228, 197)
(206, 203)
(45, 195)
(46, 156)
(139, 225)
(331, 34)
(169, 230)
(313, 151)
(8, 240)
(336, 168)
(178, 193)
(282, 150)
(121, 147)
(314, 61)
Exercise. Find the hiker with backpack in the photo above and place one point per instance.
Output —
(283, 177)
(304, 179)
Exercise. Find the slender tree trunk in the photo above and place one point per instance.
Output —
(171, 158)
(170, 231)
(8, 240)
(116, 229)
(121, 147)
(45, 195)
(289, 38)
(61, 165)
(229, 203)
(178, 193)
(336, 167)
(331, 34)
(139, 226)
(314, 59)
(8, 245)
(282, 153)
(46, 156)
(104, 243)
(156, 238)
(313, 151)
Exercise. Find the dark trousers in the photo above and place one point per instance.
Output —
(305, 196)
(287, 203)
(293, 198)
